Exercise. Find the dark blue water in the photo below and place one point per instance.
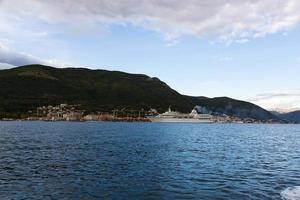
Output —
(40, 160)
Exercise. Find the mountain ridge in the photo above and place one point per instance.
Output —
(293, 116)
(26, 87)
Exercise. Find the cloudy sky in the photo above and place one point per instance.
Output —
(246, 49)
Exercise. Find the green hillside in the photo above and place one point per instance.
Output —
(26, 87)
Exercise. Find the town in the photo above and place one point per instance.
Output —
(73, 113)
(65, 112)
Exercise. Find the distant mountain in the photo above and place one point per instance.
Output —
(26, 87)
(291, 116)
(234, 107)
(276, 113)
(279, 111)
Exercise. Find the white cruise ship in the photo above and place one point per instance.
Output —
(177, 117)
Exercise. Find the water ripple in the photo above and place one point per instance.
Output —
(148, 161)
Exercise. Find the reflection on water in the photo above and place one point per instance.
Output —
(41, 160)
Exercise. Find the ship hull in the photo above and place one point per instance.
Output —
(179, 120)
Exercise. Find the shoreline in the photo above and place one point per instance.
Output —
(139, 121)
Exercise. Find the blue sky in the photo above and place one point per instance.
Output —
(220, 52)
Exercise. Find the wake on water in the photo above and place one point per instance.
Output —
(291, 193)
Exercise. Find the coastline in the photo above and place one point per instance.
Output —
(140, 121)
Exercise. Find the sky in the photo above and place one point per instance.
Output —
(247, 50)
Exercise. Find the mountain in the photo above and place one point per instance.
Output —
(26, 87)
(291, 116)
(234, 107)
(276, 113)
(279, 111)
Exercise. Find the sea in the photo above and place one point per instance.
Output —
(110, 160)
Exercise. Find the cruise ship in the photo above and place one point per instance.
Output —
(177, 117)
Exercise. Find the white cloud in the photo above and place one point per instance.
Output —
(33, 26)
(228, 20)
(242, 41)
(278, 100)
(10, 58)
(14, 58)
(6, 66)
(57, 63)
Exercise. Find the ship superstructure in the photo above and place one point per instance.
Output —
(174, 116)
